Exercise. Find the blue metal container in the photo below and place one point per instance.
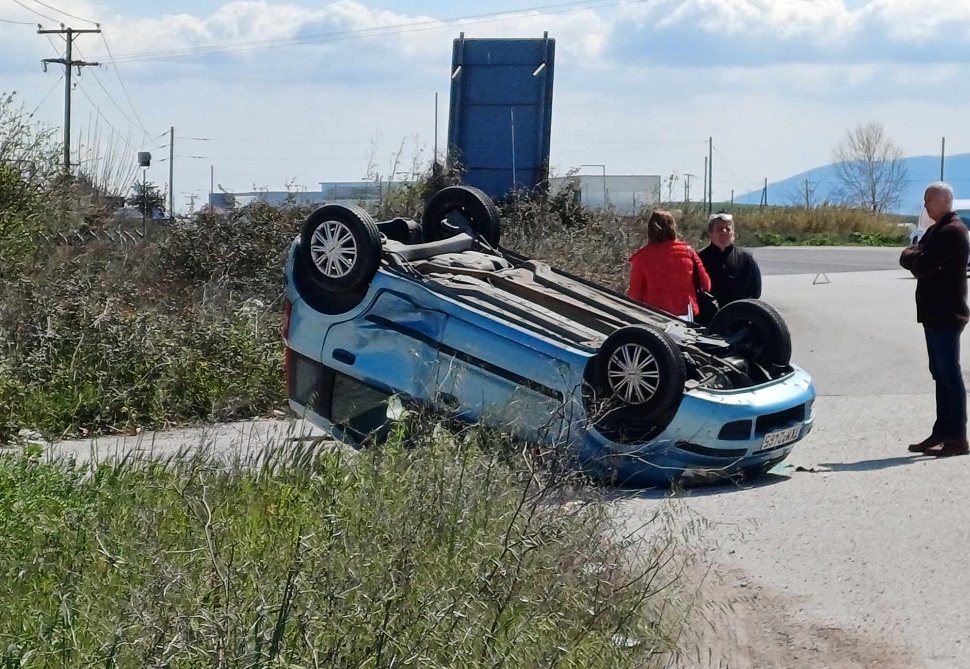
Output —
(500, 119)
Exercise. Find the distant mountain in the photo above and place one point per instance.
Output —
(923, 170)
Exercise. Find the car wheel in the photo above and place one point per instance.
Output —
(639, 375)
(341, 247)
(461, 209)
(755, 330)
(324, 301)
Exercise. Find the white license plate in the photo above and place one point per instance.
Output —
(782, 437)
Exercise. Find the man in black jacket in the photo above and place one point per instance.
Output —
(734, 273)
(939, 263)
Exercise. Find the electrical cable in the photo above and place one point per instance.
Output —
(267, 141)
(18, 23)
(428, 24)
(47, 95)
(61, 11)
(34, 11)
(120, 81)
(51, 42)
(724, 160)
(97, 79)
(97, 110)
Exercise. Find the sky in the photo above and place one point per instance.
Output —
(273, 94)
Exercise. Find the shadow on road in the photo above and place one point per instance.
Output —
(781, 473)
(729, 486)
(872, 465)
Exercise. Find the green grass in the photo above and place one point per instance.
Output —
(445, 555)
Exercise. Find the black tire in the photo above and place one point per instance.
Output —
(755, 330)
(479, 216)
(324, 301)
(340, 248)
(638, 378)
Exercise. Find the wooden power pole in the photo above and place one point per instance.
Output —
(68, 63)
(171, 174)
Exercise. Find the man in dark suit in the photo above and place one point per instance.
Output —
(939, 263)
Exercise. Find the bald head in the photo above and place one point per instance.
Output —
(938, 200)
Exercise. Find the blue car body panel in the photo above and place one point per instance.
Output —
(410, 339)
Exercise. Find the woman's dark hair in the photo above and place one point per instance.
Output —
(661, 227)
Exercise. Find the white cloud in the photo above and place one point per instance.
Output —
(580, 34)
(825, 29)
(341, 27)
(824, 20)
(920, 20)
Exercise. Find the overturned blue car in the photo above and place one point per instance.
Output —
(439, 315)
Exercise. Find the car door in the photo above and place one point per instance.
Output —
(503, 382)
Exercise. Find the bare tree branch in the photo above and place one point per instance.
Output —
(870, 169)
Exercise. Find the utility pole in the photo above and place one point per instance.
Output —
(171, 174)
(704, 189)
(764, 194)
(687, 178)
(942, 157)
(68, 63)
(710, 175)
(434, 165)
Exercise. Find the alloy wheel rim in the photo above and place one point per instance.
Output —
(633, 373)
(333, 249)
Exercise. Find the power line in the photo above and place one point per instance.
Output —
(61, 11)
(51, 42)
(724, 160)
(97, 110)
(47, 95)
(18, 23)
(262, 158)
(268, 141)
(115, 102)
(123, 87)
(428, 24)
(34, 11)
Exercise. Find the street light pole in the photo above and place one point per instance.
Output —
(687, 178)
(602, 167)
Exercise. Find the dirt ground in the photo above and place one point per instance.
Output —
(752, 627)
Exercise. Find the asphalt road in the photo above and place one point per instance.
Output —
(828, 259)
(875, 541)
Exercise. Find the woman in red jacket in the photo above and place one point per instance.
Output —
(662, 272)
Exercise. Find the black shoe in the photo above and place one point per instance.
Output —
(950, 448)
(928, 443)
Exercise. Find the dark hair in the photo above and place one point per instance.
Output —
(661, 227)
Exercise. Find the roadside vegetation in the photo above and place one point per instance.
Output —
(597, 244)
(441, 551)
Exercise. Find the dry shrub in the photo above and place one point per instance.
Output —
(596, 244)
